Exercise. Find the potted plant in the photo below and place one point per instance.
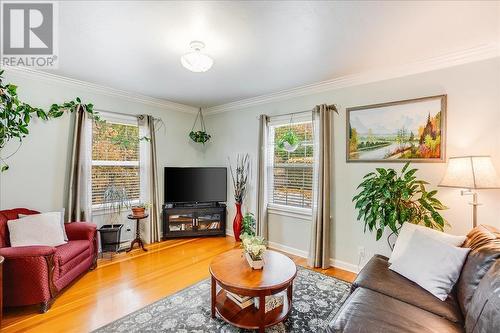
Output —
(289, 141)
(254, 248)
(200, 136)
(115, 200)
(247, 226)
(240, 180)
(139, 209)
(389, 199)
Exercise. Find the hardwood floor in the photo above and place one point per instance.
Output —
(126, 283)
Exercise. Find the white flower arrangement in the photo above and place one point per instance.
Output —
(254, 246)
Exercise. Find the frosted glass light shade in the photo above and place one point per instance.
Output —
(197, 61)
(471, 172)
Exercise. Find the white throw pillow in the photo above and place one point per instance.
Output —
(63, 210)
(432, 264)
(407, 231)
(38, 229)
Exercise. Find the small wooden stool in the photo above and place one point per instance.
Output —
(137, 239)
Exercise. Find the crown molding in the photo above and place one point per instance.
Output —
(482, 52)
(103, 90)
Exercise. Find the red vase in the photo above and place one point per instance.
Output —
(237, 222)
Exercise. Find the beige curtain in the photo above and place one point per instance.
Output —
(79, 204)
(149, 176)
(319, 247)
(262, 227)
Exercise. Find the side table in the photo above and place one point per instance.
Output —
(137, 239)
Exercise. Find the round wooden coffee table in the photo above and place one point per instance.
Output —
(231, 272)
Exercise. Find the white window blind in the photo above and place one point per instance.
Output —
(115, 158)
(291, 173)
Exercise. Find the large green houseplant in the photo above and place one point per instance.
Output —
(16, 116)
(389, 199)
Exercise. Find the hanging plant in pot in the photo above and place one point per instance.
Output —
(200, 136)
(239, 177)
(289, 141)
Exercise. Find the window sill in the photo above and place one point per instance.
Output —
(289, 211)
(102, 210)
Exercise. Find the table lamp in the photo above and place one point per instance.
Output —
(471, 173)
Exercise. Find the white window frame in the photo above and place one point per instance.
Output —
(99, 209)
(279, 209)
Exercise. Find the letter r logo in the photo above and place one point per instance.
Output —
(27, 28)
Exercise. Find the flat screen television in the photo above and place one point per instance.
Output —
(195, 185)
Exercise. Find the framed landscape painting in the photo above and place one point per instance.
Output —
(410, 130)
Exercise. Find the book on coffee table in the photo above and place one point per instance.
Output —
(242, 301)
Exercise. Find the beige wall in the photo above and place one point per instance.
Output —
(38, 173)
(473, 128)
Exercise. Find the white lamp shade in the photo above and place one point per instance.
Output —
(471, 172)
(197, 62)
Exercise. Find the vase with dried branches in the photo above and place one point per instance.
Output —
(239, 174)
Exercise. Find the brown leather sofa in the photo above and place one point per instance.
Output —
(383, 301)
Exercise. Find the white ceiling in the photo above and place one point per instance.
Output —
(258, 47)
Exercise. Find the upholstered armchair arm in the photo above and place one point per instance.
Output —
(26, 252)
(81, 231)
(30, 269)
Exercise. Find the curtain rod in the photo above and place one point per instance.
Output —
(330, 107)
(125, 114)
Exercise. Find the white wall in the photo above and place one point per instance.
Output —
(473, 128)
(38, 173)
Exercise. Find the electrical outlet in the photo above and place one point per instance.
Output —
(361, 252)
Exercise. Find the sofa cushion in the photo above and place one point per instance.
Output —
(432, 264)
(39, 229)
(369, 311)
(10, 214)
(376, 276)
(484, 242)
(409, 229)
(483, 314)
(66, 252)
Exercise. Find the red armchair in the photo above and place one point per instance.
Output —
(36, 274)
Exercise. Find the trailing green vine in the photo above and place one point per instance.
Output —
(16, 116)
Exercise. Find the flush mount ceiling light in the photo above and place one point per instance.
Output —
(196, 61)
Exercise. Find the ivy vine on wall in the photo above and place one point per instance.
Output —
(16, 116)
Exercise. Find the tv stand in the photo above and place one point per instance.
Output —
(194, 220)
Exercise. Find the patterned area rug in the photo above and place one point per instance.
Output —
(316, 299)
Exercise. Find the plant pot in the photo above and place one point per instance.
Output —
(237, 222)
(290, 148)
(255, 264)
(138, 211)
(110, 237)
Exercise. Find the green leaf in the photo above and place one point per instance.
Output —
(379, 233)
(405, 167)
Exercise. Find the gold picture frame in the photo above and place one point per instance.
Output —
(408, 130)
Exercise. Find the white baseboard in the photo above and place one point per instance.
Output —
(288, 249)
(344, 265)
(303, 254)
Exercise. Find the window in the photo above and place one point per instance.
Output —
(115, 158)
(291, 173)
